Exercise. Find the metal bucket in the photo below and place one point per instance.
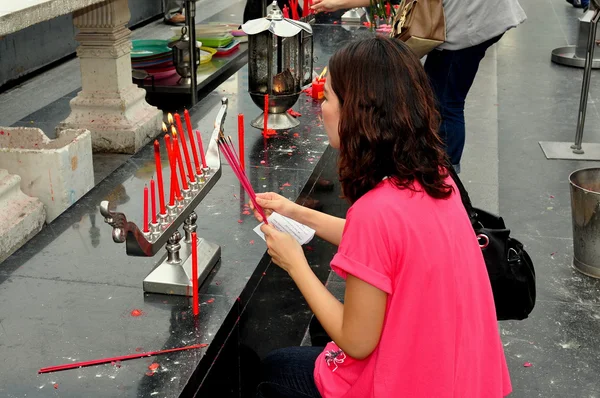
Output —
(585, 207)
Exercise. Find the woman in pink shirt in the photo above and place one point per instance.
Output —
(418, 318)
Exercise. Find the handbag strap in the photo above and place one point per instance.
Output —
(464, 196)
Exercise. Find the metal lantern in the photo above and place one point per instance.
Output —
(280, 63)
(181, 57)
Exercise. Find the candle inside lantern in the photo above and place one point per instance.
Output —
(159, 175)
(188, 124)
(186, 153)
(146, 209)
(195, 303)
(241, 141)
(153, 200)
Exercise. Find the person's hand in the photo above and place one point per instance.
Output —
(285, 251)
(328, 5)
(272, 202)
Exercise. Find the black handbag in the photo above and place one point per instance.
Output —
(509, 266)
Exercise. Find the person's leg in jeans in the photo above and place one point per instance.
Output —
(451, 74)
(173, 11)
(288, 373)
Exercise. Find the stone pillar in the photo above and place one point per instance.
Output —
(109, 104)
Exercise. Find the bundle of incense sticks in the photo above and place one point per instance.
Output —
(228, 149)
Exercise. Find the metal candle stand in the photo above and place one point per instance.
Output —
(173, 275)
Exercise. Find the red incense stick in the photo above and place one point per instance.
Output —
(266, 113)
(76, 365)
(159, 176)
(231, 159)
(201, 148)
(186, 154)
(195, 305)
(241, 141)
(188, 124)
(146, 209)
(179, 161)
(153, 200)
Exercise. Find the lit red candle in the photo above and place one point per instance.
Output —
(266, 112)
(186, 153)
(179, 161)
(188, 125)
(174, 188)
(146, 209)
(241, 140)
(195, 303)
(153, 200)
(159, 177)
(201, 148)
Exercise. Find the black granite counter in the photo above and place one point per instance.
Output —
(68, 294)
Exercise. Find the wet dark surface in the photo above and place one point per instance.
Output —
(68, 294)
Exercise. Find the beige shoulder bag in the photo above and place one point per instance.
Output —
(421, 24)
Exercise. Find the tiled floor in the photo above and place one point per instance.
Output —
(519, 98)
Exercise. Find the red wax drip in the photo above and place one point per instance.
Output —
(186, 154)
(146, 209)
(195, 305)
(188, 124)
(201, 148)
(159, 177)
(153, 200)
(241, 141)
(179, 162)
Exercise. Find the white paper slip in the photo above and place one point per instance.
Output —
(300, 232)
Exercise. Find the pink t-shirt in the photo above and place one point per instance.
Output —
(440, 336)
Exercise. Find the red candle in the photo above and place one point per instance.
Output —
(186, 154)
(195, 304)
(146, 209)
(179, 162)
(318, 89)
(188, 124)
(201, 148)
(153, 200)
(286, 12)
(159, 176)
(174, 189)
(266, 112)
(241, 140)
(305, 9)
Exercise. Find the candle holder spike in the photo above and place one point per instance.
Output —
(171, 276)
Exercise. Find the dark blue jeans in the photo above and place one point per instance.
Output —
(451, 74)
(288, 373)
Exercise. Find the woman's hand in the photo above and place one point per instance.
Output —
(285, 251)
(272, 202)
(328, 5)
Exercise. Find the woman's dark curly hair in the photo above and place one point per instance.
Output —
(388, 120)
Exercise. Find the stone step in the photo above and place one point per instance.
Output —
(21, 216)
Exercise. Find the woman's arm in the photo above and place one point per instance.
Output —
(356, 325)
(327, 227)
(334, 5)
